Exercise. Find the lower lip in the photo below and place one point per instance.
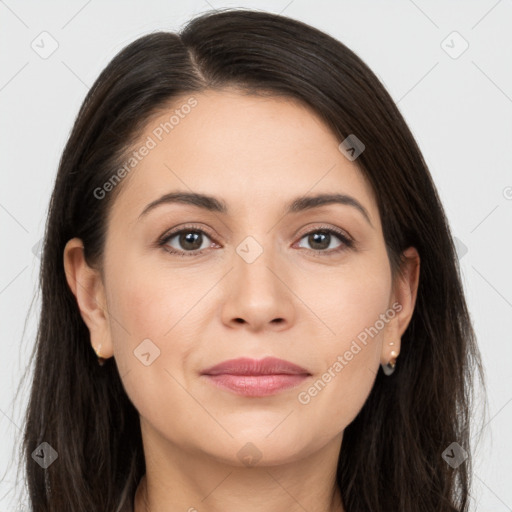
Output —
(257, 385)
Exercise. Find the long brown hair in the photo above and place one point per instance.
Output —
(391, 457)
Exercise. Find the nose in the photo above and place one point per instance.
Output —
(257, 294)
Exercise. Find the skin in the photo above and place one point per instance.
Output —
(257, 162)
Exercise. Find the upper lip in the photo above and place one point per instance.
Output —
(247, 366)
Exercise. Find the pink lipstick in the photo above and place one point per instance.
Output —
(256, 378)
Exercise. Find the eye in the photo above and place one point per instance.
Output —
(186, 242)
(192, 241)
(321, 239)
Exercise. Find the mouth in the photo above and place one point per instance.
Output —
(256, 378)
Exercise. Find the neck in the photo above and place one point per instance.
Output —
(142, 503)
(197, 483)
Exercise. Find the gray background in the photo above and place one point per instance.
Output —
(459, 107)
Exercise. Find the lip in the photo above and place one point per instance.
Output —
(251, 377)
(247, 366)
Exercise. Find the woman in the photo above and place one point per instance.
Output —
(244, 234)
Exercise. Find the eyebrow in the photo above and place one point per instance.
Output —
(297, 205)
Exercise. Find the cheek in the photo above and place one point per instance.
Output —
(147, 308)
(150, 300)
(348, 298)
(351, 302)
(152, 326)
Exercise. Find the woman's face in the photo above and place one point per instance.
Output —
(261, 277)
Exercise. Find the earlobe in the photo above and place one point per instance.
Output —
(404, 298)
(87, 287)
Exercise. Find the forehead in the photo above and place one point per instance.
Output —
(251, 151)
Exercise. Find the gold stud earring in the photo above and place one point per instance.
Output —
(101, 360)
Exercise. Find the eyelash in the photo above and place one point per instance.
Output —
(347, 243)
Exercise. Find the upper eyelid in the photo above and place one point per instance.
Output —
(323, 227)
(171, 233)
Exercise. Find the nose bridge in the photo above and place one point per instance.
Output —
(256, 261)
(257, 293)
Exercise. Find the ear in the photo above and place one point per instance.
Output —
(87, 286)
(403, 300)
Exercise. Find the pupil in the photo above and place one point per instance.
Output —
(191, 238)
(314, 240)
